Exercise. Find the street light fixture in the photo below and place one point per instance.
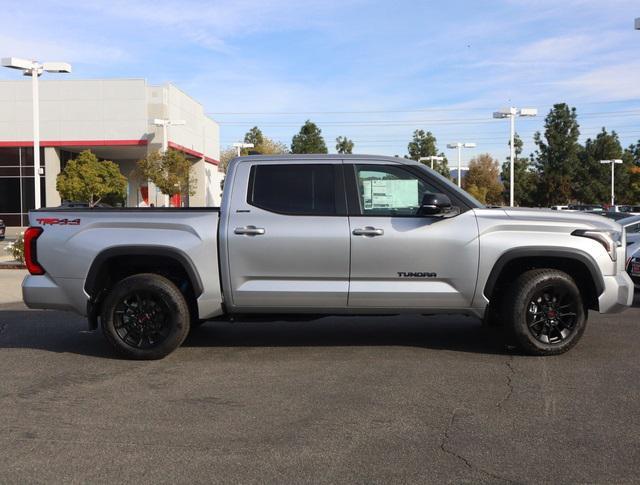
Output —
(638, 23)
(431, 158)
(35, 70)
(240, 146)
(165, 123)
(511, 113)
(613, 164)
(460, 146)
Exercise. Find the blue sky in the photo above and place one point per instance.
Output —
(373, 71)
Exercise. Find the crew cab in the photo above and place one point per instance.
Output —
(325, 235)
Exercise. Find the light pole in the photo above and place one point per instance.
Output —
(239, 146)
(613, 164)
(431, 158)
(35, 70)
(165, 123)
(511, 113)
(460, 146)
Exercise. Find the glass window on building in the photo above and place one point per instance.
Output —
(16, 184)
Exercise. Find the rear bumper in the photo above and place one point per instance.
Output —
(617, 295)
(42, 292)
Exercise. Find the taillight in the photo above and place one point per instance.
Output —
(30, 250)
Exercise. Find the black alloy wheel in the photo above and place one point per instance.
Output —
(551, 315)
(141, 319)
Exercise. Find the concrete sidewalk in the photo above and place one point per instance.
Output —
(10, 285)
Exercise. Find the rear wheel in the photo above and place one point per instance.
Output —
(546, 312)
(145, 317)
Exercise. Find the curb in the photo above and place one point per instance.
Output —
(12, 266)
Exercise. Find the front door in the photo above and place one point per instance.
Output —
(288, 236)
(400, 259)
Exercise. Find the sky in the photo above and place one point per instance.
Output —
(371, 71)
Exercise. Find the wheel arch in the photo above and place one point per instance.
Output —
(578, 264)
(115, 263)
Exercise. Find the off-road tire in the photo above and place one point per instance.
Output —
(160, 305)
(534, 291)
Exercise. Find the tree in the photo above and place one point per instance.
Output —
(483, 179)
(557, 155)
(423, 144)
(631, 158)
(593, 179)
(170, 171)
(308, 140)
(255, 136)
(261, 144)
(344, 145)
(226, 156)
(87, 179)
(525, 180)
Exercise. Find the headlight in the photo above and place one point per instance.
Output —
(610, 240)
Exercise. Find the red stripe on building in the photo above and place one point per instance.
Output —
(191, 152)
(75, 143)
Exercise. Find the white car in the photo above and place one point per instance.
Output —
(632, 227)
(633, 263)
(559, 207)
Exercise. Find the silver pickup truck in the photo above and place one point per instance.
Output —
(326, 235)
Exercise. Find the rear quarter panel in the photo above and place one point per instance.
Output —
(66, 251)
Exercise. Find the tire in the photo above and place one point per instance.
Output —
(145, 317)
(545, 312)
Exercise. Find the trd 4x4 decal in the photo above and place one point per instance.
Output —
(54, 221)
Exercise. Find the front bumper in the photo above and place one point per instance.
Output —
(617, 295)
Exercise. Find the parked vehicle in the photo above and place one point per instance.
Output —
(633, 262)
(586, 207)
(632, 226)
(3, 229)
(324, 235)
(559, 207)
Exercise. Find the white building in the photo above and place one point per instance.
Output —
(113, 119)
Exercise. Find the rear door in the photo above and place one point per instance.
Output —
(398, 258)
(288, 235)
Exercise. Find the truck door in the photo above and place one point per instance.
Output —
(398, 258)
(288, 235)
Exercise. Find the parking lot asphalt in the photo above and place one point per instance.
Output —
(337, 400)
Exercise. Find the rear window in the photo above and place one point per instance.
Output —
(296, 189)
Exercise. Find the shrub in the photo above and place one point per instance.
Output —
(16, 249)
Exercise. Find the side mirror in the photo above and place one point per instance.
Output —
(434, 204)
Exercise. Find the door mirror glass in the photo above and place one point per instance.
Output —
(434, 204)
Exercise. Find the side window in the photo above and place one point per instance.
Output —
(296, 189)
(389, 190)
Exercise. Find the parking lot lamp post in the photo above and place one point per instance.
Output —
(511, 113)
(613, 164)
(240, 146)
(431, 158)
(459, 146)
(35, 70)
(165, 123)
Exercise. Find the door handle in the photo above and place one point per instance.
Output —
(249, 230)
(368, 231)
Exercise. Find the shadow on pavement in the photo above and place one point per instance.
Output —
(65, 332)
(455, 333)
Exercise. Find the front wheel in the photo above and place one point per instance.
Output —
(145, 317)
(546, 312)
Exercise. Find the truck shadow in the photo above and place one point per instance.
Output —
(65, 332)
(455, 333)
